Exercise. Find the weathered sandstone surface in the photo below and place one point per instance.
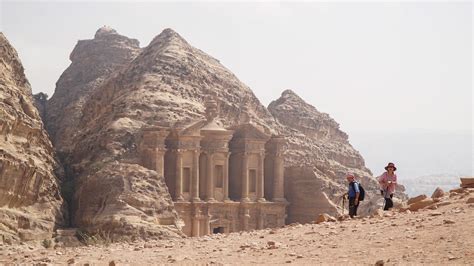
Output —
(165, 84)
(92, 61)
(110, 192)
(320, 155)
(31, 206)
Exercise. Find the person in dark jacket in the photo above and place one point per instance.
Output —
(353, 195)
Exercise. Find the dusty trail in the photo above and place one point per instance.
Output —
(441, 236)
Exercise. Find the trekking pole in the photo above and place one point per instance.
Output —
(343, 203)
(384, 200)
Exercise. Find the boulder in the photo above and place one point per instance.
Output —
(457, 190)
(377, 213)
(470, 200)
(343, 217)
(301, 184)
(421, 204)
(438, 193)
(448, 221)
(416, 199)
(467, 182)
(398, 203)
(324, 217)
(444, 203)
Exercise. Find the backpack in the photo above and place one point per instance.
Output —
(361, 191)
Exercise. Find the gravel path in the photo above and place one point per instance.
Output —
(441, 236)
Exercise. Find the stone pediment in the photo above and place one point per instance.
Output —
(197, 128)
(190, 129)
(250, 131)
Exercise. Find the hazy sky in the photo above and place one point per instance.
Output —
(374, 67)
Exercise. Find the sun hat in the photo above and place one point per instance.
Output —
(391, 165)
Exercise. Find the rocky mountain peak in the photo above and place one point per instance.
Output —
(105, 31)
(92, 61)
(13, 69)
(106, 40)
(291, 110)
(169, 41)
(289, 93)
(290, 100)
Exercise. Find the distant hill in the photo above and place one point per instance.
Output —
(425, 159)
(428, 183)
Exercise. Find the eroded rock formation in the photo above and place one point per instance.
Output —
(308, 194)
(164, 85)
(30, 202)
(321, 155)
(92, 61)
(111, 192)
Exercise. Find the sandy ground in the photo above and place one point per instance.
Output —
(441, 236)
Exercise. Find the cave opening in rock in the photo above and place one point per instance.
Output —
(218, 230)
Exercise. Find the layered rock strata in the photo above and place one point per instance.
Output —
(31, 206)
(323, 156)
(110, 192)
(164, 85)
(92, 61)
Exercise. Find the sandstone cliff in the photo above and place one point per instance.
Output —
(109, 191)
(92, 61)
(318, 157)
(165, 85)
(30, 202)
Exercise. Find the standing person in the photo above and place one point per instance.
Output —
(387, 182)
(353, 195)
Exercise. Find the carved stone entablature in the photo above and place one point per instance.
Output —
(241, 145)
(214, 145)
(154, 137)
(276, 146)
(186, 144)
(250, 131)
(254, 146)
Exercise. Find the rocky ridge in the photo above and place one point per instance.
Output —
(31, 206)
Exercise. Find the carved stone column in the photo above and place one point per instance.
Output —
(152, 149)
(210, 177)
(196, 221)
(246, 219)
(207, 224)
(261, 178)
(195, 183)
(179, 176)
(226, 177)
(260, 220)
(278, 182)
(159, 162)
(245, 177)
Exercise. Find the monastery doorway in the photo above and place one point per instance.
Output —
(218, 230)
